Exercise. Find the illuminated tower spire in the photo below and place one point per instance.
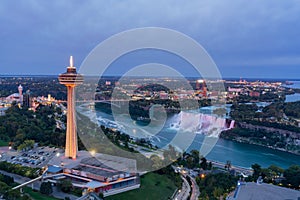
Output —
(71, 79)
(20, 89)
(71, 61)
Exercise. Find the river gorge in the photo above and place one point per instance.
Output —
(240, 154)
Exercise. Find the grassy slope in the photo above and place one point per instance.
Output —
(153, 186)
(37, 195)
(3, 143)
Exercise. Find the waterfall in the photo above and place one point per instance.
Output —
(232, 124)
(200, 123)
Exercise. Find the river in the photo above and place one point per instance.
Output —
(244, 155)
(293, 97)
(240, 154)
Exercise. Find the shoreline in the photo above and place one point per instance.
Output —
(261, 145)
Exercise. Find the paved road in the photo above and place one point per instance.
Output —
(90, 196)
(146, 151)
(195, 189)
(36, 185)
(237, 169)
(184, 192)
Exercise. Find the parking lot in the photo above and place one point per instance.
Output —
(37, 157)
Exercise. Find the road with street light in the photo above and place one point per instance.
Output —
(184, 192)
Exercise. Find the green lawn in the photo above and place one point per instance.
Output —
(3, 143)
(37, 195)
(153, 186)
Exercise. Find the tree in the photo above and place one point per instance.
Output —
(20, 125)
(203, 163)
(242, 112)
(217, 192)
(27, 144)
(170, 154)
(190, 162)
(195, 155)
(6, 179)
(277, 170)
(209, 165)
(3, 188)
(46, 188)
(292, 175)
(12, 195)
(228, 165)
(65, 185)
(157, 162)
(219, 111)
(213, 186)
(2, 130)
(256, 170)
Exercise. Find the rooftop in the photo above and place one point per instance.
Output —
(113, 163)
(254, 191)
(54, 169)
(94, 166)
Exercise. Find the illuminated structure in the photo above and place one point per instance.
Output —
(20, 89)
(17, 97)
(71, 79)
(201, 87)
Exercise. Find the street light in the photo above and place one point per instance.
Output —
(93, 153)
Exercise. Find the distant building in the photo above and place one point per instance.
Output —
(201, 88)
(236, 90)
(233, 92)
(16, 97)
(163, 95)
(254, 94)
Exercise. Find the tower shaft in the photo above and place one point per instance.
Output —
(71, 134)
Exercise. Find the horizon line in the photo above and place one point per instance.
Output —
(222, 78)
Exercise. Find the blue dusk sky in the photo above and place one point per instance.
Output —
(254, 39)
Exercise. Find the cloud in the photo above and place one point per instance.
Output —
(36, 33)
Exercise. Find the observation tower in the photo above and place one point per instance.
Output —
(71, 79)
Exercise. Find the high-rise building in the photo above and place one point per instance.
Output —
(71, 79)
(27, 99)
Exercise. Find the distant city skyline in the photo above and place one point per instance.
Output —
(257, 39)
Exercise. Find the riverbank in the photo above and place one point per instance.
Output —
(269, 137)
(261, 145)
